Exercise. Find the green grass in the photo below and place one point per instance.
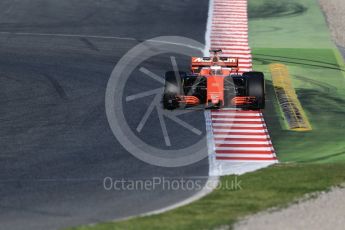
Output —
(282, 24)
(319, 85)
(296, 34)
(271, 187)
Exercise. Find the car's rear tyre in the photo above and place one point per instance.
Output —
(172, 90)
(256, 88)
(229, 91)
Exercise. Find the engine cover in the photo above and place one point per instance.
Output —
(215, 90)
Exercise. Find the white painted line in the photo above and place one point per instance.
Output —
(234, 113)
(210, 185)
(263, 136)
(66, 35)
(238, 55)
(241, 20)
(244, 61)
(245, 148)
(232, 29)
(230, 6)
(240, 130)
(231, 25)
(245, 141)
(237, 10)
(245, 162)
(239, 6)
(228, 34)
(222, 36)
(222, 43)
(235, 119)
(237, 51)
(222, 16)
(245, 155)
(228, 15)
(236, 48)
(234, 125)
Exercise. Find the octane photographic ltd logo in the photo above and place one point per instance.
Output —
(116, 100)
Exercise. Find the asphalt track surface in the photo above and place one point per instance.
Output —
(56, 144)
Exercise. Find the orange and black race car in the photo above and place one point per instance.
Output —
(214, 82)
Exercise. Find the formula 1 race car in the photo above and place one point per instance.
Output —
(214, 82)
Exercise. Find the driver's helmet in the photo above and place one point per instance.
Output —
(216, 70)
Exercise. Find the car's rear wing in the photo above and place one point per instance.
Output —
(200, 62)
